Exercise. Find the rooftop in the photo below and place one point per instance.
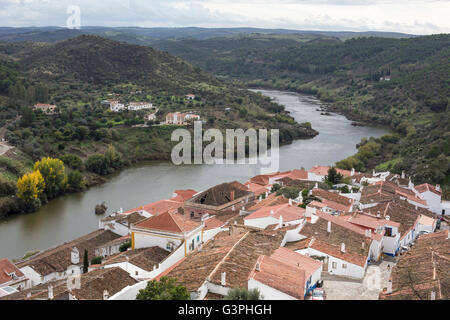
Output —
(144, 258)
(170, 222)
(289, 212)
(8, 271)
(221, 194)
(58, 259)
(423, 269)
(92, 286)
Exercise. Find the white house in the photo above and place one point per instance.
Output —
(136, 106)
(284, 215)
(11, 277)
(116, 106)
(432, 195)
(168, 231)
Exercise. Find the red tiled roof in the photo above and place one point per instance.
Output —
(213, 223)
(169, 221)
(288, 212)
(183, 195)
(278, 275)
(298, 260)
(260, 179)
(323, 171)
(158, 207)
(257, 189)
(427, 187)
(333, 200)
(298, 174)
(271, 200)
(7, 267)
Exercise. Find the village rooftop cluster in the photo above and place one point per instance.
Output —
(250, 235)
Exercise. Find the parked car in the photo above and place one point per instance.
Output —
(319, 294)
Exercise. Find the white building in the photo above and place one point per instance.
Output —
(432, 195)
(116, 106)
(136, 106)
(11, 277)
(167, 231)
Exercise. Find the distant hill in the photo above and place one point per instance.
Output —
(145, 36)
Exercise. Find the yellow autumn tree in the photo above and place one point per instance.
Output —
(52, 171)
(30, 186)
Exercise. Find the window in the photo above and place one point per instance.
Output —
(334, 265)
(137, 273)
(198, 238)
(388, 232)
(192, 214)
(344, 266)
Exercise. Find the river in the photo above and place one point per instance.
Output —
(71, 216)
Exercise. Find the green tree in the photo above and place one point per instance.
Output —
(333, 176)
(164, 289)
(243, 294)
(85, 261)
(75, 180)
(124, 246)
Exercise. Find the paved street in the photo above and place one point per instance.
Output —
(377, 276)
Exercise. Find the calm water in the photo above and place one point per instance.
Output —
(71, 216)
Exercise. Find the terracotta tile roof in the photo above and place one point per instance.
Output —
(183, 195)
(7, 269)
(330, 243)
(427, 187)
(234, 254)
(385, 191)
(297, 260)
(298, 175)
(288, 212)
(194, 269)
(221, 194)
(58, 259)
(331, 196)
(424, 268)
(144, 258)
(92, 286)
(158, 207)
(168, 221)
(257, 189)
(261, 179)
(212, 223)
(280, 276)
(399, 211)
(271, 200)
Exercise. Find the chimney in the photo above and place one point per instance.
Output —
(290, 202)
(403, 174)
(223, 279)
(329, 227)
(378, 214)
(368, 233)
(233, 208)
(389, 287)
(258, 267)
(387, 217)
(362, 245)
(373, 172)
(50, 292)
(232, 195)
(105, 295)
(352, 173)
(272, 212)
(75, 256)
(343, 247)
(438, 188)
(316, 186)
(121, 210)
(280, 224)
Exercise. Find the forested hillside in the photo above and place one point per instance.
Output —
(346, 74)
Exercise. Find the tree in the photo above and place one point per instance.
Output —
(30, 186)
(52, 171)
(164, 289)
(243, 294)
(75, 181)
(124, 246)
(85, 261)
(333, 176)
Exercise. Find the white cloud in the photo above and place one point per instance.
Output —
(410, 16)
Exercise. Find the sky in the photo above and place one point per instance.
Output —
(406, 16)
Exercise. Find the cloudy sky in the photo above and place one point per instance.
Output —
(409, 16)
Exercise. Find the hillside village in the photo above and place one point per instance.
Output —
(375, 233)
